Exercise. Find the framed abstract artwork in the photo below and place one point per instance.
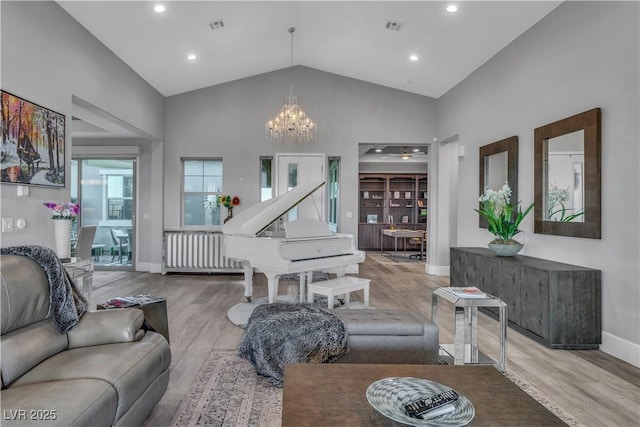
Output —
(33, 141)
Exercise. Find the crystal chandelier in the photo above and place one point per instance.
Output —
(291, 125)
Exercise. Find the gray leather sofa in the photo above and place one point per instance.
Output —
(389, 336)
(105, 371)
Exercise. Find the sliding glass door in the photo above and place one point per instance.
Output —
(105, 190)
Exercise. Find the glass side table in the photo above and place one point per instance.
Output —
(465, 327)
(83, 270)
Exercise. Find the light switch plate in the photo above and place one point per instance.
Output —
(7, 225)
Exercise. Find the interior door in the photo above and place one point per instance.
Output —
(292, 169)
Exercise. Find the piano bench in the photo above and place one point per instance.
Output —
(338, 286)
(389, 336)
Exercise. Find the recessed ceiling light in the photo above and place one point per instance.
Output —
(416, 150)
(378, 150)
(452, 8)
(159, 8)
(413, 57)
(191, 57)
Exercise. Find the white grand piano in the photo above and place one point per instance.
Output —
(254, 238)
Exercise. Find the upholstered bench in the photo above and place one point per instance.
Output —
(338, 286)
(389, 336)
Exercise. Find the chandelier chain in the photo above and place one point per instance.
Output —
(291, 31)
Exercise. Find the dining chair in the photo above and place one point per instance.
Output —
(86, 235)
(120, 239)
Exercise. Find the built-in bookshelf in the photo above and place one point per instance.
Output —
(400, 199)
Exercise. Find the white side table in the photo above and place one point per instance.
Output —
(465, 327)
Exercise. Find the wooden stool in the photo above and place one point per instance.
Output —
(341, 285)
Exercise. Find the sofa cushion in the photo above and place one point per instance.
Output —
(24, 293)
(77, 403)
(24, 348)
(107, 327)
(129, 367)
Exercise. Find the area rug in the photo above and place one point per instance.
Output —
(228, 392)
(555, 410)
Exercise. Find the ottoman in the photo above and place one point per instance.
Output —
(389, 336)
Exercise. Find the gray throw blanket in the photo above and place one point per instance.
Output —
(67, 303)
(280, 333)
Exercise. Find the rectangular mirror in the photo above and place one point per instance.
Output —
(499, 164)
(567, 176)
(564, 193)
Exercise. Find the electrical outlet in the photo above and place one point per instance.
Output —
(7, 224)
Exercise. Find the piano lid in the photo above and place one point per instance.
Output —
(252, 221)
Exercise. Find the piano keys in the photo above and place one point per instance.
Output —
(259, 239)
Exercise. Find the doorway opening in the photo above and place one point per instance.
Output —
(105, 190)
(393, 194)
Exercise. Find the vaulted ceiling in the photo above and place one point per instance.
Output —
(236, 39)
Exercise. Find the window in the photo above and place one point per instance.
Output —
(119, 197)
(202, 181)
(334, 193)
(266, 181)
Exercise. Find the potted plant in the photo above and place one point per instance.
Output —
(229, 202)
(503, 219)
(212, 203)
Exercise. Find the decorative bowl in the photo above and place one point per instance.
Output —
(389, 396)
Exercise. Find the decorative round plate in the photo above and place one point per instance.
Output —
(389, 395)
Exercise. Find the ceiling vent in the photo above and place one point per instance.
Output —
(394, 26)
(217, 24)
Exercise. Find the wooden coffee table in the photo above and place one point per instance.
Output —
(333, 394)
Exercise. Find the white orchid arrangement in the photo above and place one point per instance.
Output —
(503, 218)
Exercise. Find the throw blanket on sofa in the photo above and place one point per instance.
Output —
(67, 303)
(280, 333)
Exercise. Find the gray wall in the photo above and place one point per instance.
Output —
(228, 121)
(47, 57)
(582, 55)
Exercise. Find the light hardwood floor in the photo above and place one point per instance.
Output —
(590, 386)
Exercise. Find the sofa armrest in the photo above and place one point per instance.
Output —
(107, 327)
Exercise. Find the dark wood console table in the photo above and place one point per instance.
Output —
(556, 304)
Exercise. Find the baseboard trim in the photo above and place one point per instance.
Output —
(436, 270)
(149, 266)
(621, 348)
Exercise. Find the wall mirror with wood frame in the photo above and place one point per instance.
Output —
(567, 175)
(499, 164)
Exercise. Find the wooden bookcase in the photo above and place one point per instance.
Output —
(401, 198)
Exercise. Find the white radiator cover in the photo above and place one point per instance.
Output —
(196, 251)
